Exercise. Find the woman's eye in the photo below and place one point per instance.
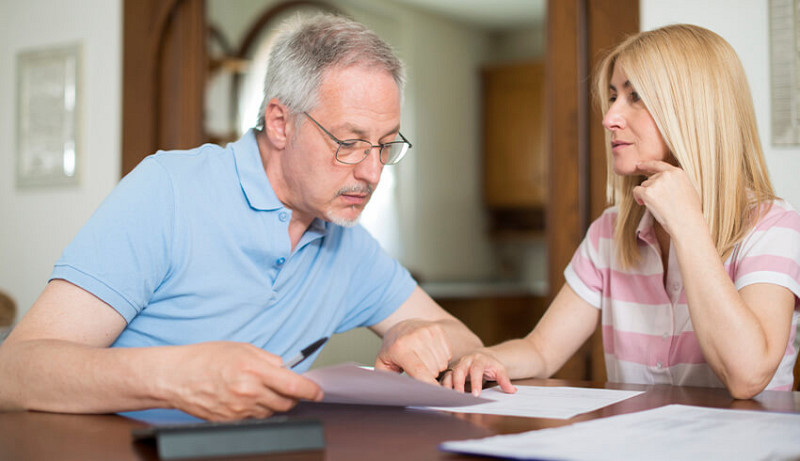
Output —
(612, 98)
(635, 97)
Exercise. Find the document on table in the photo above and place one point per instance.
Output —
(351, 383)
(666, 433)
(543, 402)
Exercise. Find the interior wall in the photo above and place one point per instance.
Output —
(37, 223)
(745, 25)
(442, 175)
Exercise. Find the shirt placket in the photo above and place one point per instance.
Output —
(674, 288)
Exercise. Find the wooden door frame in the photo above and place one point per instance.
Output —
(164, 66)
(578, 33)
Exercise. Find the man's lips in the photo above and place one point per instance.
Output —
(355, 198)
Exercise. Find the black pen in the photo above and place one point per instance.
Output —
(305, 353)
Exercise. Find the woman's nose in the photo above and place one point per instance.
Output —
(613, 119)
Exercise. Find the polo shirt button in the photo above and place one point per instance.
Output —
(283, 216)
(676, 286)
(665, 336)
(658, 365)
(280, 261)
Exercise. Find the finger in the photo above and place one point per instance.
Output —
(273, 402)
(505, 383)
(291, 385)
(638, 195)
(422, 372)
(459, 377)
(447, 379)
(651, 167)
(384, 364)
(476, 380)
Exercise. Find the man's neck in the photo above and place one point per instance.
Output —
(299, 222)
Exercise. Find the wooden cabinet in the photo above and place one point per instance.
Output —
(514, 136)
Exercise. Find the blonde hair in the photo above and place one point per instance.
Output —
(693, 85)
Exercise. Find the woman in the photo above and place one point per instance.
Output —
(695, 270)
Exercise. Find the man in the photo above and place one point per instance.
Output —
(205, 269)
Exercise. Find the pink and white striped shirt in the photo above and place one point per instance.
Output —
(647, 334)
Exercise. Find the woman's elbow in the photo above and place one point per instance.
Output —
(747, 387)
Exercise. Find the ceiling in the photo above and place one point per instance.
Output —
(487, 14)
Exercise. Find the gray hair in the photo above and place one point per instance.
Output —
(307, 46)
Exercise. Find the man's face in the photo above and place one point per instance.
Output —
(354, 103)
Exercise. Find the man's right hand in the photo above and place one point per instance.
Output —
(226, 380)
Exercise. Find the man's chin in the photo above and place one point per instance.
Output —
(340, 219)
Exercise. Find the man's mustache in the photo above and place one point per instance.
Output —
(356, 189)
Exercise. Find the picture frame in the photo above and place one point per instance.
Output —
(784, 31)
(48, 113)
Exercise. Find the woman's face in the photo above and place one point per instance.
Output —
(634, 135)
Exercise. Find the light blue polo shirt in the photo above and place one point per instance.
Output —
(193, 246)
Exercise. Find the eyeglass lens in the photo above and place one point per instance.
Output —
(354, 151)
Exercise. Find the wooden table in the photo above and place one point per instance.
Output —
(352, 432)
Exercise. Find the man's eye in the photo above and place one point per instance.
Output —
(348, 144)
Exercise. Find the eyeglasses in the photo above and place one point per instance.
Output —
(352, 151)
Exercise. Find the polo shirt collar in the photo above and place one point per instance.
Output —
(645, 231)
(252, 177)
(255, 184)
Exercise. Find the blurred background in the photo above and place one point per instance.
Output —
(474, 211)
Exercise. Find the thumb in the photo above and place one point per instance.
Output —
(380, 364)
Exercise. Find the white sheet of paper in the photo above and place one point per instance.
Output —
(544, 402)
(667, 433)
(351, 383)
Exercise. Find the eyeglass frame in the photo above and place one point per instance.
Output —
(380, 146)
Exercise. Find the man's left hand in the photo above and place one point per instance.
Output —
(418, 347)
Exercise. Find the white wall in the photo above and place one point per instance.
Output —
(745, 25)
(36, 224)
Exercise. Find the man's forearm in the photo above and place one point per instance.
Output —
(59, 376)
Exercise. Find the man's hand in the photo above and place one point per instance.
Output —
(228, 380)
(418, 347)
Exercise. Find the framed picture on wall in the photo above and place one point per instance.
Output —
(48, 108)
(784, 27)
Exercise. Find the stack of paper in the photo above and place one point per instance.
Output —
(673, 432)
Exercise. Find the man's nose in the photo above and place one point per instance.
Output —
(370, 168)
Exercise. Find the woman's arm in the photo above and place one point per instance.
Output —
(743, 334)
(567, 324)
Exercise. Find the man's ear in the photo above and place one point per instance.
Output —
(277, 124)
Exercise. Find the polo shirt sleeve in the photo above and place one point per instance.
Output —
(122, 253)
(771, 252)
(588, 269)
(379, 284)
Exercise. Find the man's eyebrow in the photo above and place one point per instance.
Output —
(363, 134)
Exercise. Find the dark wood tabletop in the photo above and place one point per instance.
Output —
(352, 432)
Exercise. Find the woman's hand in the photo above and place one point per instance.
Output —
(477, 366)
(669, 195)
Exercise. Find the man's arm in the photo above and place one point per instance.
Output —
(58, 359)
(421, 338)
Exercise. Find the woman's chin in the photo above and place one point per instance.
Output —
(626, 170)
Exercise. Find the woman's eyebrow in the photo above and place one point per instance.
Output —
(627, 85)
